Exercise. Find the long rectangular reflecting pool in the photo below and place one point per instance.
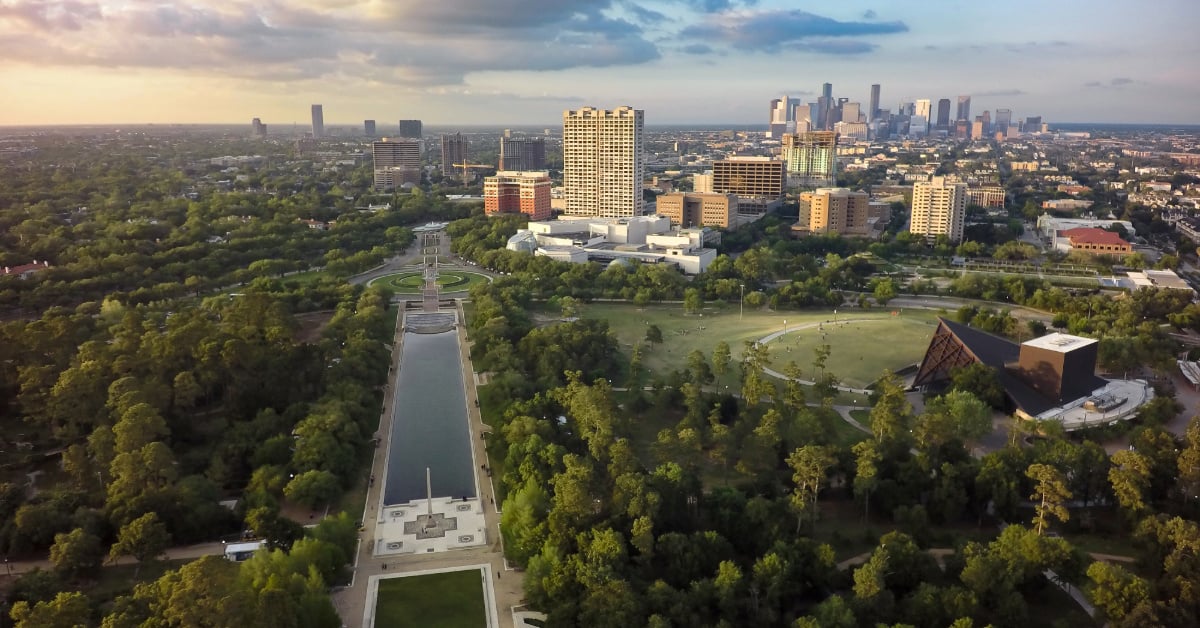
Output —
(429, 422)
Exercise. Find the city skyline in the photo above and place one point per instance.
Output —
(527, 61)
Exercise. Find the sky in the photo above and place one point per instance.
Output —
(522, 62)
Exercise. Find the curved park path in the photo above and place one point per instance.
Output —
(940, 553)
(834, 323)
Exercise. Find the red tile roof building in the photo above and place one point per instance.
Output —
(24, 271)
(1096, 241)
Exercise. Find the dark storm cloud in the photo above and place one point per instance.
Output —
(771, 31)
(644, 15)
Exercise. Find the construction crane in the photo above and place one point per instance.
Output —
(466, 168)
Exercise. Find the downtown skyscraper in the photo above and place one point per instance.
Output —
(318, 121)
(943, 114)
(603, 162)
(964, 108)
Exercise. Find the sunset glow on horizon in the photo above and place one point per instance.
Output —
(524, 61)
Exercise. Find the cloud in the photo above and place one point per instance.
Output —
(833, 47)
(697, 49)
(50, 15)
(771, 31)
(869, 14)
(410, 43)
(1115, 83)
(644, 15)
(716, 6)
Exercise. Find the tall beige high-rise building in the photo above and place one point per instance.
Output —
(811, 157)
(396, 162)
(838, 210)
(603, 162)
(939, 208)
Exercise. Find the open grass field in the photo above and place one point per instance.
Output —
(115, 580)
(307, 277)
(453, 599)
(861, 349)
(411, 282)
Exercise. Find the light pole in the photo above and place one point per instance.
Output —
(741, 299)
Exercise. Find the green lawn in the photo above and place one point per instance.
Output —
(861, 349)
(452, 599)
(411, 282)
(116, 580)
(847, 435)
(307, 277)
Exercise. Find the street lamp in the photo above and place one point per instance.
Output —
(741, 299)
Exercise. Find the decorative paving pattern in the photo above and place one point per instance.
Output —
(433, 526)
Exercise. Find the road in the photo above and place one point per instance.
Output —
(934, 302)
(183, 552)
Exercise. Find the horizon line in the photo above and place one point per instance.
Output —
(337, 125)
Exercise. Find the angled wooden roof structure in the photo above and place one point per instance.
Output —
(955, 345)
